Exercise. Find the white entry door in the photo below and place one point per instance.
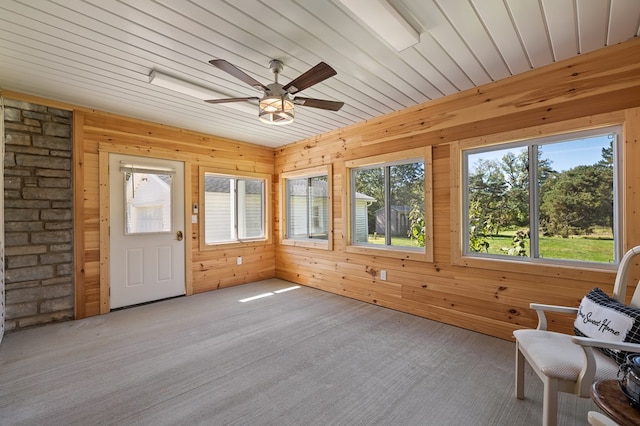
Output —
(146, 238)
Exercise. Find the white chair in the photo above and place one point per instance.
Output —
(566, 363)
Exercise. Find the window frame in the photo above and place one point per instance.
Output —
(266, 178)
(397, 252)
(315, 243)
(551, 132)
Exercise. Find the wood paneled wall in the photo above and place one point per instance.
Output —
(96, 135)
(489, 297)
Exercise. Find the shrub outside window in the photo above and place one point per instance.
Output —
(234, 208)
(551, 198)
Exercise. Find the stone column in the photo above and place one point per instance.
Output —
(38, 215)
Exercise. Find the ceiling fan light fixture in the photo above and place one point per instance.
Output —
(276, 110)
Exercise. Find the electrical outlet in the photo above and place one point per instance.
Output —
(239, 260)
(383, 275)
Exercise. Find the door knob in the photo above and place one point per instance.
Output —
(180, 236)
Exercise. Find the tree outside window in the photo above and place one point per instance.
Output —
(389, 204)
(551, 198)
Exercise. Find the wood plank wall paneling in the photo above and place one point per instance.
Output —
(100, 134)
(488, 299)
(79, 255)
(631, 177)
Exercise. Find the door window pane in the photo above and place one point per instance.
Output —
(147, 202)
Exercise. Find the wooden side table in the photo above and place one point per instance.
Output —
(610, 399)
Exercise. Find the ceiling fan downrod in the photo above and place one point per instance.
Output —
(276, 67)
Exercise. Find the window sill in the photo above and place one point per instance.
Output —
(395, 253)
(310, 243)
(541, 267)
(234, 244)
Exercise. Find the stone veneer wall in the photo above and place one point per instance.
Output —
(38, 215)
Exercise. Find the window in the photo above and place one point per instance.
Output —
(390, 204)
(552, 198)
(307, 207)
(148, 199)
(234, 208)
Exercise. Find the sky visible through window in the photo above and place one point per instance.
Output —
(563, 155)
(567, 155)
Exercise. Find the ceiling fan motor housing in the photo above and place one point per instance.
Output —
(277, 104)
(276, 66)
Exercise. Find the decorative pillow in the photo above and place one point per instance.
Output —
(604, 318)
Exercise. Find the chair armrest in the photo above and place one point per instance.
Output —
(585, 379)
(541, 309)
(595, 343)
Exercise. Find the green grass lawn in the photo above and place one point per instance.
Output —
(595, 248)
(591, 249)
(395, 241)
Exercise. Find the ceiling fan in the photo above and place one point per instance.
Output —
(277, 103)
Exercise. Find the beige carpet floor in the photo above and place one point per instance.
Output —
(299, 357)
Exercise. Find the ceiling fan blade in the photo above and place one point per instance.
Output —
(313, 76)
(318, 103)
(237, 73)
(222, 101)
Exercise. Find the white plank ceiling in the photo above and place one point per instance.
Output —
(99, 54)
